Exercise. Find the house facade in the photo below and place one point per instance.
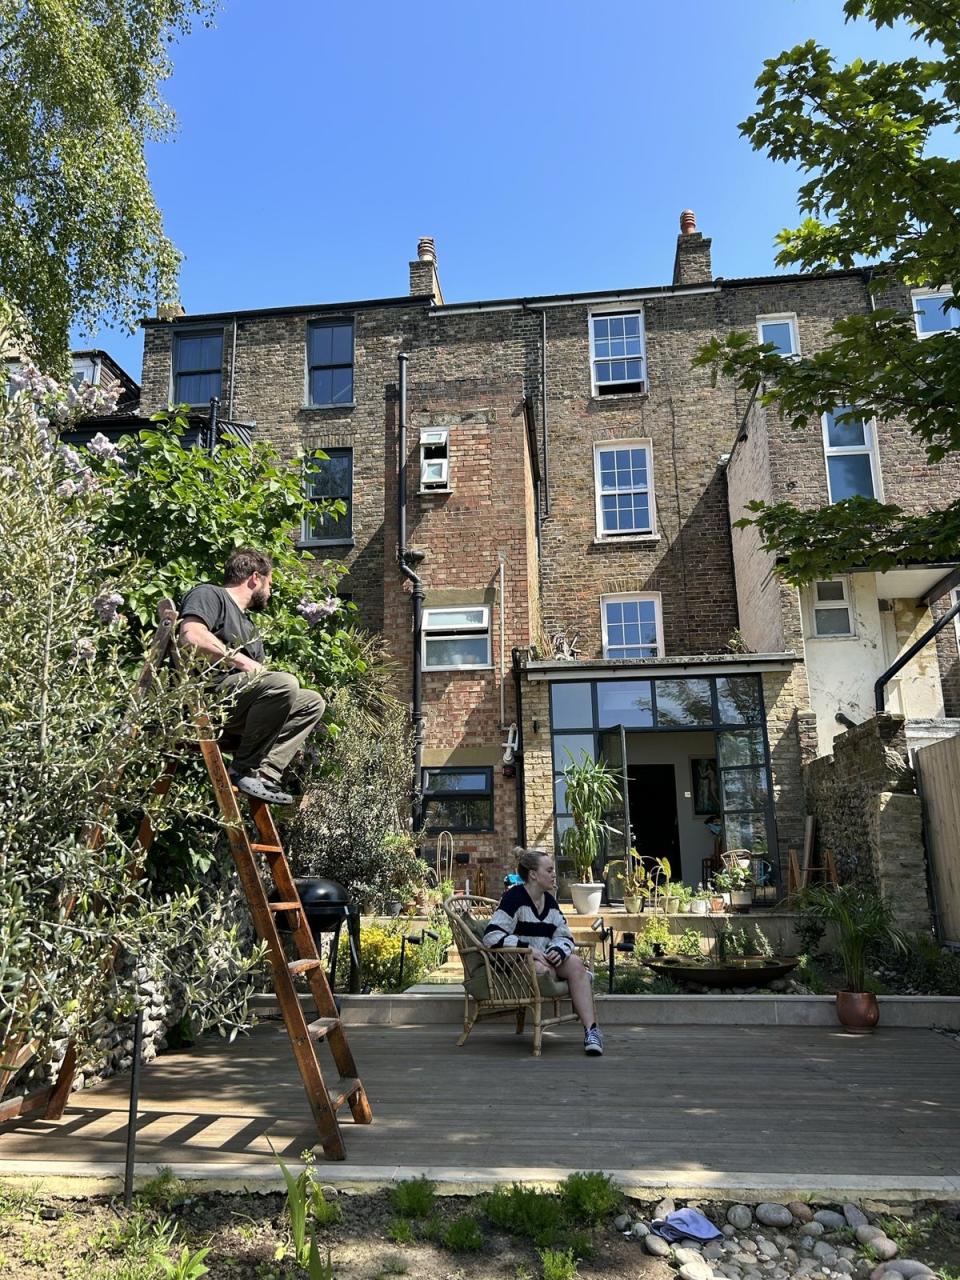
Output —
(571, 487)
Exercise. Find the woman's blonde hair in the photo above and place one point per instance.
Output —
(527, 861)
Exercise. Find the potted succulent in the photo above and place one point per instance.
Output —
(684, 896)
(861, 920)
(592, 791)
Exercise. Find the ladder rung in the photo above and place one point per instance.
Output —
(344, 1088)
(285, 906)
(266, 848)
(321, 1027)
(302, 966)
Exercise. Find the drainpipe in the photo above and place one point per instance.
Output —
(503, 641)
(233, 368)
(404, 559)
(543, 395)
(518, 754)
(879, 695)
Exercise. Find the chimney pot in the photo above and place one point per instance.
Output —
(688, 222)
(426, 249)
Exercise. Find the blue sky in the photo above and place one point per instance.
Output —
(547, 145)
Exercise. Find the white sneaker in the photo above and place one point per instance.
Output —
(254, 784)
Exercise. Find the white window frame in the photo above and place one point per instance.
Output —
(782, 317)
(473, 629)
(602, 313)
(869, 447)
(845, 603)
(916, 295)
(605, 535)
(435, 438)
(632, 596)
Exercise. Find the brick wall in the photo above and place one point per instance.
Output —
(869, 815)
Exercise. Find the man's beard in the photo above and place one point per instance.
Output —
(258, 601)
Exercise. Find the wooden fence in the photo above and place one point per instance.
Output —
(938, 767)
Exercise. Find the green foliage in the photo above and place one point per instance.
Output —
(80, 232)
(688, 944)
(316, 1269)
(559, 1264)
(592, 791)
(414, 1197)
(400, 1231)
(463, 1235)
(589, 1198)
(77, 757)
(863, 133)
(360, 790)
(924, 965)
(163, 1190)
(393, 1265)
(306, 1206)
(528, 1212)
(656, 930)
(862, 922)
(189, 1266)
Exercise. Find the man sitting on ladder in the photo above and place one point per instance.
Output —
(269, 710)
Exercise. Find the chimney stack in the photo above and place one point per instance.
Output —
(692, 264)
(423, 272)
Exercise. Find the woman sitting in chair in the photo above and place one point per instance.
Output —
(528, 916)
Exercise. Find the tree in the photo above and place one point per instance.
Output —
(875, 193)
(81, 237)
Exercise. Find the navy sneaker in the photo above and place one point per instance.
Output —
(593, 1041)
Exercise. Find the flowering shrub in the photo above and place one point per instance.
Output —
(77, 758)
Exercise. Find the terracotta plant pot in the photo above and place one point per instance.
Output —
(858, 1010)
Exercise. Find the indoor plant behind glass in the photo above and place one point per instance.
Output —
(861, 922)
(592, 791)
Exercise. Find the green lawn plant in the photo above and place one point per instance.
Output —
(592, 790)
(559, 1264)
(463, 1235)
(414, 1197)
(188, 1266)
(590, 1198)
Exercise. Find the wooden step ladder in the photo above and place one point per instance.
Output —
(305, 1037)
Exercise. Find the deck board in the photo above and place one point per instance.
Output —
(764, 1099)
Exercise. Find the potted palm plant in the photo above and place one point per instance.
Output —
(635, 884)
(592, 792)
(861, 920)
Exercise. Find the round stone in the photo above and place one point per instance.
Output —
(812, 1229)
(639, 1231)
(713, 1249)
(802, 1212)
(664, 1207)
(698, 1270)
(867, 1234)
(656, 1245)
(622, 1222)
(728, 1230)
(884, 1249)
(806, 1243)
(774, 1215)
(768, 1249)
(739, 1216)
(844, 1266)
(854, 1216)
(825, 1252)
(683, 1253)
(831, 1220)
(745, 1259)
(909, 1268)
(749, 1246)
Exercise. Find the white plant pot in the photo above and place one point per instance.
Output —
(586, 898)
(685, 907)
(741, 899)
(700, 906)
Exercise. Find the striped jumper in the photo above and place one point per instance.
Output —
(517, 923)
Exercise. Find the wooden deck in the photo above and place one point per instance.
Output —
(701, 1102)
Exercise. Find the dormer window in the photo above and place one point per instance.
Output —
(434, 460)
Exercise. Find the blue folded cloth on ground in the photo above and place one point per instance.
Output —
(685, 1224)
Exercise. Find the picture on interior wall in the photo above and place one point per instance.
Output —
(706, 792)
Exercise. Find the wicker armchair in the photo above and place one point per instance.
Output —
(503, 980)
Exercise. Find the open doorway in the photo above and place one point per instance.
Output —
(653, 812)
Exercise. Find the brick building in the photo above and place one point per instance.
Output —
(571, 487)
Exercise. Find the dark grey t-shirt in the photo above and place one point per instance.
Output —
(221, 615)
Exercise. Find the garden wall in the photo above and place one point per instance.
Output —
(868, 815)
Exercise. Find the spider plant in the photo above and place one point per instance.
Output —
(861, 921)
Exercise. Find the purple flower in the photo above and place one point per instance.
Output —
(67, 489)
(106, 606)
(314, 611)
(85, 649)
(103, 448)
(71, 459)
